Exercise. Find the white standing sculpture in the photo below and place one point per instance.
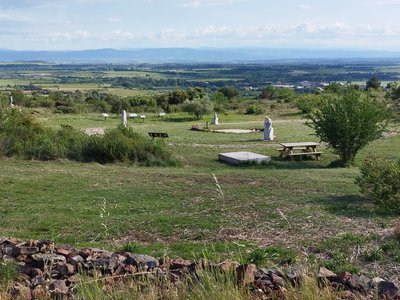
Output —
(268, 130)
(10, 101)
(215, 119)
(123, 118)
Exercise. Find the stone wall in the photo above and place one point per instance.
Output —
(54, 270)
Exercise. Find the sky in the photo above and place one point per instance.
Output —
(129, 24)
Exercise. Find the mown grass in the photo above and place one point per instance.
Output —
(178, 211)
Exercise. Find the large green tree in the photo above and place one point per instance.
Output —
(198, 107)
(348, 120)
(373, 83)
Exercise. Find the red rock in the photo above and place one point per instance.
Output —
(324, 272)
(63, 251)
(245, 273)
(21, 258)
(58, 287)
(344, 276)
(85, 252)
(179, 263)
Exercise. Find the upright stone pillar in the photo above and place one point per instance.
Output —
(215, 119)
(123, 119)
(268, 130)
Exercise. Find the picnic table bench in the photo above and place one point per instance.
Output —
(158, 134)
(299, 149)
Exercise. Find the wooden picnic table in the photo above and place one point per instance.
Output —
(299, 149)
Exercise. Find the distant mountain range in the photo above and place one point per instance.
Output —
(192, 55)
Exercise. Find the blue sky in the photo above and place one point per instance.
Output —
(124, 24)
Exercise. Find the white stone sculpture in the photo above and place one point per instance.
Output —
(215, 119)
(10, 101)
(268, 130)
(123, 118)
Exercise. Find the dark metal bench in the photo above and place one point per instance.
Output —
(158, 134)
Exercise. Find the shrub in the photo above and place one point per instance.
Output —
(198, 107)
(380, 181)
(21, 135)
(253, 110)
(348, 121)
(307, 103)
(18, 132)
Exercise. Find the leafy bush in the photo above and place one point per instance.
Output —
(348, 121)
(253, 110)
(380, 181)
(198, 107)
(18, 132)
(21, 135)
(307, 103)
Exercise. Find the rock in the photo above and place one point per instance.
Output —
(59, 270)
(58, 288)
(179, 263)
(24, 250)
(35, 272)
(360, 284)
(277, 280)
(21, 258)
(8, 258)
(8, 250)
(387, 289)
(40, 259)
(272, 271)
(324, 272)
(375, 281)
(75, 260)
(141, 261)
(246, 274)
(264, 285)
(295, 276)
(115, 261)
(37, 280)
(20, 291)
(85, 252)
(63, 251)
(343, 277)
(45, 246)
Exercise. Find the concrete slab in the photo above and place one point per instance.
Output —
(234, 130)
(237, 158)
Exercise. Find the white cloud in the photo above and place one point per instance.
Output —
(114, 20)
(199, 3)
(335, 35)
(385, 2)
(13, 18)
(304, 6)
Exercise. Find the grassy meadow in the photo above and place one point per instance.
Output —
(284, 209)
